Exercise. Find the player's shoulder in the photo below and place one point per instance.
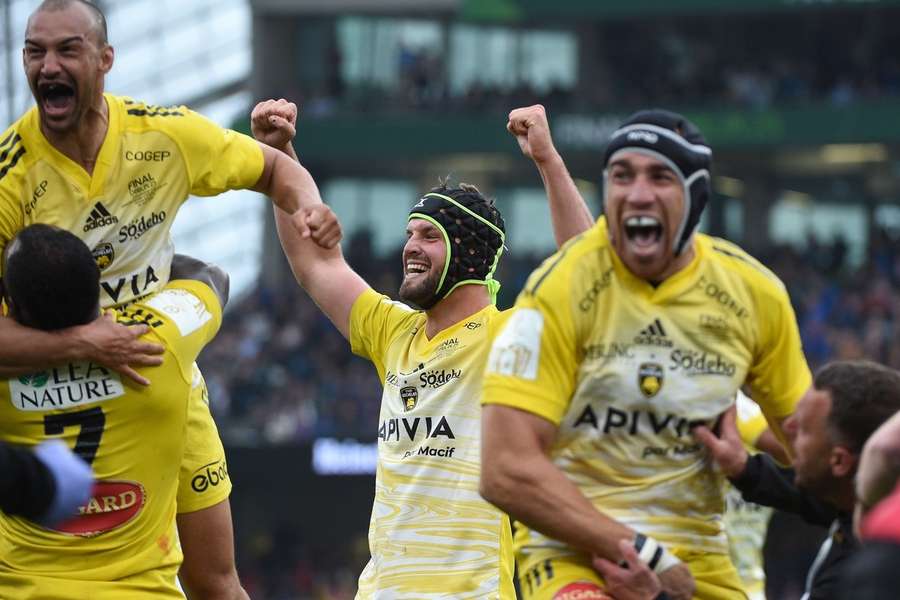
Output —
(143, 116)
(731, 258)
(586, 257)
(17, 149)
(178, 310)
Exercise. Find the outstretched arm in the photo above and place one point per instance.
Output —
(321, 271)
(569, 213)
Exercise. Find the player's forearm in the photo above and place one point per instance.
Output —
(534, 491)
(289, 184)
(569, 213)
(24, 350)
(879, 467)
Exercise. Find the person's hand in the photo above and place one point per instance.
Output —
(72, 478)
(530, 127)
(633, 582)
(726, 449)
(678, 583)
(116, 347)
(274, 122)
(319, 223)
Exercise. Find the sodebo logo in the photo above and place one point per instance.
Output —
(209, 475)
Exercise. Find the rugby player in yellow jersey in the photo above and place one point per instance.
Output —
(115, 171)
(123, 541)
(618, 345)
(430, 534)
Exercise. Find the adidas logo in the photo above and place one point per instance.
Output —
(653, 334)
(99, 217)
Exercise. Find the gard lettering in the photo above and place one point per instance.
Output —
(721, 296)
(134, 281)
(147, 155)
(105, 504)
(391, 429)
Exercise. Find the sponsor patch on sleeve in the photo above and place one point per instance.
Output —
(517, 349)
(185, 309)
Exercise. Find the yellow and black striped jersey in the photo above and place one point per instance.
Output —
(625, 369)
(151, 160)
(123, 543)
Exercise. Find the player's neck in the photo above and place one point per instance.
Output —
(82, 143)
(464, 301)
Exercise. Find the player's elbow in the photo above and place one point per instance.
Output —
(501, 480)
(212, 584)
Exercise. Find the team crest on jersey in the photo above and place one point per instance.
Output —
(410, 397)
(111, 505)
(650, 379)
(104, 255)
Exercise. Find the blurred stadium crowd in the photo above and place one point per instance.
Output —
(280, 373)
(693, 64)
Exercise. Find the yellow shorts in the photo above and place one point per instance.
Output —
(572, 577)
(203, 479)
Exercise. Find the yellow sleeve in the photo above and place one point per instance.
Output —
(218, 159)
(751, 422)
(532, 365)
(203, 479)
(375, 320)
(11, 215)
(186, 314)
(779, 376)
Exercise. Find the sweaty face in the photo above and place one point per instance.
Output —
(65, 63)
(423, 262)
(644, 208)
(811, 442)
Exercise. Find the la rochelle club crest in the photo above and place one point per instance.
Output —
(410, 396)
(650, 379)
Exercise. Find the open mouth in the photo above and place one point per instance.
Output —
(416, 267)
(57, 99)
(643, 231)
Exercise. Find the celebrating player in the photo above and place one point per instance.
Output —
(123, 543)
(619, 344)
(430, 533)
(115, 171)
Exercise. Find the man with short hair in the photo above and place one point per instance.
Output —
(430, 534)
(123, 542)
(847, 402)
(115, 172)
(620, 343)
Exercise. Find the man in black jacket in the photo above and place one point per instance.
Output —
(849, 400)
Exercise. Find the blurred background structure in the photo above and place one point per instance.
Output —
(798, 98)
